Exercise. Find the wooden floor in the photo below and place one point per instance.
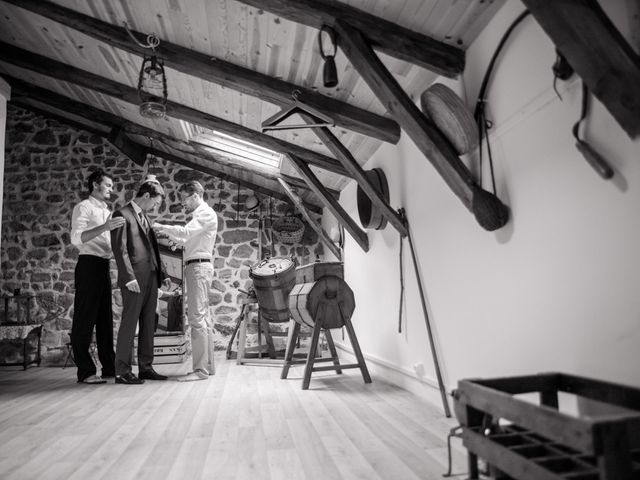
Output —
(243, 423)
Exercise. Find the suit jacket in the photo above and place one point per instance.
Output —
(135, 250)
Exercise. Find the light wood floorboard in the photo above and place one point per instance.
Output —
(243, 423)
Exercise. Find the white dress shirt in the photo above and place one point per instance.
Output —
(198, 236)
(88, 214)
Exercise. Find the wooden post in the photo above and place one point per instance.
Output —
(359, 235)
(312, 223)
(355, 170)
(424, 134)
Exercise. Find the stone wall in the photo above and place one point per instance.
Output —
(46, 165)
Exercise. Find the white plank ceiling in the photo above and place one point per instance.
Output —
(243, 35)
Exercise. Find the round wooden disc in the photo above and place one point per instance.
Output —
(452, 117)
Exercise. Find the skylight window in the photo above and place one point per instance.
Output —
(240, 150)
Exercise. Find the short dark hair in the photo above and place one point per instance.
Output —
(97, 177)
(192, 187)
(152, 187)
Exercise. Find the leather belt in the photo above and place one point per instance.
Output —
(198, 260)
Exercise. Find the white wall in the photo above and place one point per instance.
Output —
(557, 289)
(5, 95)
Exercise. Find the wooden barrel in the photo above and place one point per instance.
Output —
(328, 301)
(273, 279)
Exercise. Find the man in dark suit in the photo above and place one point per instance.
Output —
(135, 249)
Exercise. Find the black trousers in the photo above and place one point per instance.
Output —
(92, 307)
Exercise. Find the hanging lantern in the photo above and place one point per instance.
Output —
(152, 87)
(152, 80)
(329, 72)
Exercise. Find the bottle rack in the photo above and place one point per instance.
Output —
(527, 440)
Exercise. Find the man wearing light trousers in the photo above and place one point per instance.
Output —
(198, 237)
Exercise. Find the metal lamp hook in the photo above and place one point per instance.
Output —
(153, 41)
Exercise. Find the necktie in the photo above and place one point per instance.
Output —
(145, 227)
(144, 223)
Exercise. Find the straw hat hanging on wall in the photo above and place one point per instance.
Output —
(251, 203)
(370, 216)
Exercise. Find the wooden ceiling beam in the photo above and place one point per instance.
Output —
(324, 237)
(359, 235)
(61, 71)
(385, 36)
(23, 102)
(223, 73)
(113, 121)
(356, 171)
(133, 151)
(424, 134)
(596, 50)
(23, 92)
(230, 178)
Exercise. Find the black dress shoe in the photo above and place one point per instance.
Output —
(151, 375)
(129, 379)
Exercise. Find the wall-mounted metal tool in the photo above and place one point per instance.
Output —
(599, 164)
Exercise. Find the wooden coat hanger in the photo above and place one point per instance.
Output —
(322, 120)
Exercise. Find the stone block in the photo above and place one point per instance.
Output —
(243, 251)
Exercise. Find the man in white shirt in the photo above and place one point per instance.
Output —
(91, 223)
(198, 237)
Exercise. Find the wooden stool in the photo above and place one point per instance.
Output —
(92, 351)
(246, 354)
(23, 333)
(325, 304)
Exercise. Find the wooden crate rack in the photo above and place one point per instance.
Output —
(524, 440)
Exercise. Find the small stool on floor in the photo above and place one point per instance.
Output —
(255, 353)
(23, 333)
(324, 304)
(92, 352)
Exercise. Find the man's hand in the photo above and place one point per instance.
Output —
(110, 224)
(166, 283)
(113, 223)
(133, 286)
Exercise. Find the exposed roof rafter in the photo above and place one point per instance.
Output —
(344, 156)
(359, 235)
(424, 134)
(135, 152)
(385, 36)
(598, 52)
(23, 92)
(324, 237)
(68, 73)
(218, 71)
